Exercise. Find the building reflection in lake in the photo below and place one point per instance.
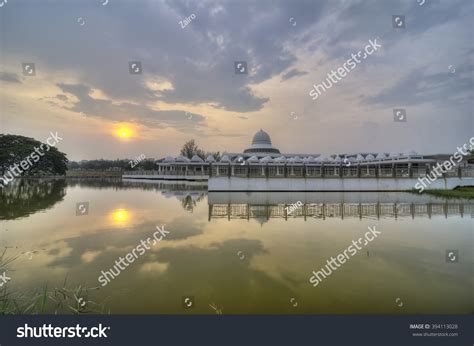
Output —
(372, 205)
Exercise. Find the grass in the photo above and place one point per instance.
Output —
(466, 192)
(62, 300)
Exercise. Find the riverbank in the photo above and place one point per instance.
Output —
(92, 174)
(458, 192)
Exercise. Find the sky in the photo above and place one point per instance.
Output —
(82, 86)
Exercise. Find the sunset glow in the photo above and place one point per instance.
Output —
(124, 132)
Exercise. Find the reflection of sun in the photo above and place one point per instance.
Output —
(120, 216)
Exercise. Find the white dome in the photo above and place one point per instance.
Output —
(381, 156)
(359, 157)
(261, 138)
(261, 143)
(168, 159)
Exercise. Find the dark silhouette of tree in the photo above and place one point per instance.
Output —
(190, 149)
(16, 149)
(120, 164)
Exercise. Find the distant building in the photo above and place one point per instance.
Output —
(263, 160)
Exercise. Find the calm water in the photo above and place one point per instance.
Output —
(238, 251)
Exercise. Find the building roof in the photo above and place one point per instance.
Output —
(261, 144)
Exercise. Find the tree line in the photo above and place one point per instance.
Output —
(14, 149)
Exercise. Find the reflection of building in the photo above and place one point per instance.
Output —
(338, 210)
(262, 167)
(322, 205)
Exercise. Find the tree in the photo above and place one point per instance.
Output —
(23, 153)
(190, 149)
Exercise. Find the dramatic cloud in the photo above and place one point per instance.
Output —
(188, 86)
(124, 111)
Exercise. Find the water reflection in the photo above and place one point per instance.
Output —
(260, 262)
(371, 205)
(120, 217)
(24, 197)
(191, 200)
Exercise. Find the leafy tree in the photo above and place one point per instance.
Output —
(190, 149)
(16, 149)
(146, 165)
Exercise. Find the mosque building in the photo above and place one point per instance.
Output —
(263, 160)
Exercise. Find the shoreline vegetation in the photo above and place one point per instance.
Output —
(60, 300)
(465, 192)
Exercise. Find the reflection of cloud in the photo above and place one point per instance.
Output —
(107, 244)
(156, 267)
(181, 229)
(89, 256)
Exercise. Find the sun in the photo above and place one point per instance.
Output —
(124, 131)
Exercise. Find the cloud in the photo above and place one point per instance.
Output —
(198, 60)
(192, 68)
(125, 111)
(292, 73)
(419, 87)
(9, 77)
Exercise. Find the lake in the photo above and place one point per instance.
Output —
(238, 253)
